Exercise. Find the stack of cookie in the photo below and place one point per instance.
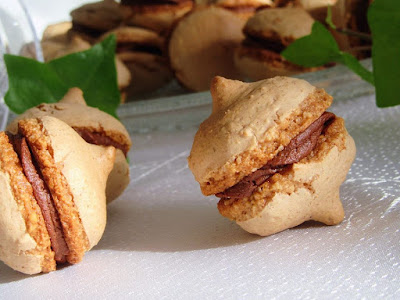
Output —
(194, 41)
(139, 28)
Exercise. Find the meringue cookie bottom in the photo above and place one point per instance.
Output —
(309, 190)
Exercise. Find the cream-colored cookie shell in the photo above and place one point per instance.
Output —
(124, 76)
(118, 179)
(149, 72)
(137, 35)
(318, 200)
(160, 18)
(257, 69)
(287, 23)
(103, 15)
(57, 31)
(242, 115)
(314, 4)
(86, 168)
(14, 238)
(55, 49)
(202, 46)
(72, 109)
(317, 8)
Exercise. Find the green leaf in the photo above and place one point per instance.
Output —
(320, 48)
(384, 21)
(316, 49)
(93, 71)
(31, 83)
(353, 64)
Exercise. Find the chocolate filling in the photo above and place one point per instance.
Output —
(127, 47)
(272, 45)
(298, 148)
(43, 198)
(99, 139)
(94, 33)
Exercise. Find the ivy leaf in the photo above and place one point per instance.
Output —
(93, 71)
(320, 48)
(314, 50)
(384, 21)
(353, 64)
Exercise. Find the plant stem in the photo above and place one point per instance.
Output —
(361, 35)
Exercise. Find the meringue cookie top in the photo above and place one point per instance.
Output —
(137, 35)
(313, 4)
(287, 24)
(246, 118)
(72, 109)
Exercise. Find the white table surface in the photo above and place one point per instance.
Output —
(165, 240)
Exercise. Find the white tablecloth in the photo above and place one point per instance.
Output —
(165, 240)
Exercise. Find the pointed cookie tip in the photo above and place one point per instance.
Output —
(224, 92)
(74, 95)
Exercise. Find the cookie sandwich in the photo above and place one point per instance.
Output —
(95, 127)
(52, 199)
(142, 52)
(272, 154)
(157, 15)
(268, 33)
(91, 20)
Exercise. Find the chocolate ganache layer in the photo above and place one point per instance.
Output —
(268, 44)
(298, 148)
(100, 139)
(43, 198)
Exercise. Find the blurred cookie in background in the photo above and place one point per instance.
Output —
(157, 15)
(142, 52)
(243, 8)
(316, 8)
(202, 46)
(93, 19)
(268, 33)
